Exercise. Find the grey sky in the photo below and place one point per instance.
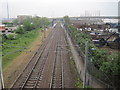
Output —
(58, 8)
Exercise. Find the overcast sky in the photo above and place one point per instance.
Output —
(58, 8)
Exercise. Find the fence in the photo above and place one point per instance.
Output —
(93, 74)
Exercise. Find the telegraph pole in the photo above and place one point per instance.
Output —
(44, 32)
(1, 75)
(7, 10)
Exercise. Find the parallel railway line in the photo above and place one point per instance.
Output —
(46, 68)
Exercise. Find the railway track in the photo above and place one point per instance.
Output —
(57, 79)
(33, 61)
(52, 65)
(45, 69)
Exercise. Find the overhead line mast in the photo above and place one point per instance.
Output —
(7, 10)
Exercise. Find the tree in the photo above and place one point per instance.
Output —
(112, 65)
(40, 22)
(8, 24)
(36, 22)
(66, 19)
(27, 25)
(15, 22)
(44, 22)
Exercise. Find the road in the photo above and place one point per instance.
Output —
(50, 66)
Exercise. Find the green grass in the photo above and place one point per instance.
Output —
(13, 48)
(78, 83)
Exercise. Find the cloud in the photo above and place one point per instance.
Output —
(58, 8)
(59, 1)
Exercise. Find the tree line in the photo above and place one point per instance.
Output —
(27, 25)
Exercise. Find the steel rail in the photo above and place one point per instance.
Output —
(29, 75)
(44, 44)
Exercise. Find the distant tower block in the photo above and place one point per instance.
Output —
(92, 13)
(99, 13)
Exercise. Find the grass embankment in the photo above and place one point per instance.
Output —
(13, 48)
(107, 64)
(78, 83)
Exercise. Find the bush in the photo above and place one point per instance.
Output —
(109, 64)
(27, 25)
(11, 36)
(112, 66)
(100, 58)
(20, 30)
(4, 37)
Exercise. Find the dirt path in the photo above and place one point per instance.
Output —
(18, 64)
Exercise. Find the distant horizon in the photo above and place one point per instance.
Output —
(63, 16)
(59, 8)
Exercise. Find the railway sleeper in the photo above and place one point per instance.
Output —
(30, 84)
(28, 87)
(33, 79)
(34, 76)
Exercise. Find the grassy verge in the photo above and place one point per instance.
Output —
(13, 48)
(78, 83)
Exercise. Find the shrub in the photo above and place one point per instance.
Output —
(20, 30)
(109, 64)
(100, 58)
(11, 36)
(4, 37)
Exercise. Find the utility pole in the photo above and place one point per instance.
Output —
(7, 10)
(44, 32)
(1, 75)
(85, 68)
